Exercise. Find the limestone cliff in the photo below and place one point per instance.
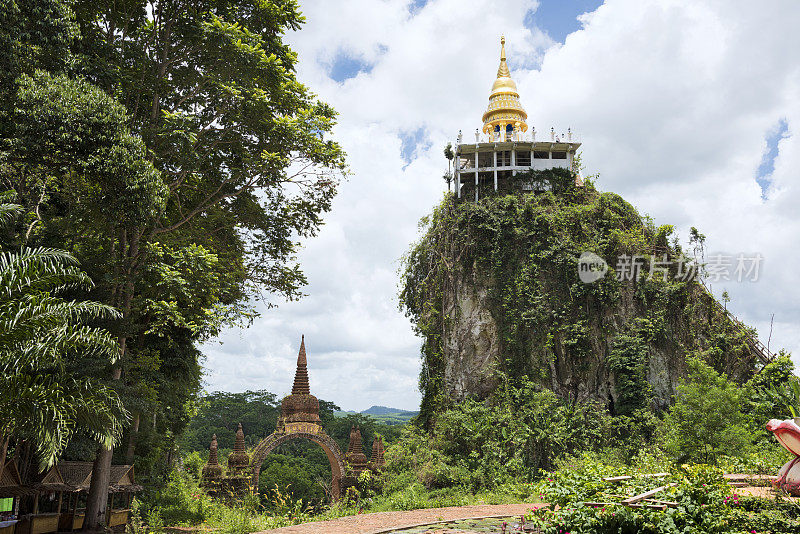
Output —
(493, 287)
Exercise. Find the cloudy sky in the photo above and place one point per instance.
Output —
(689, 109)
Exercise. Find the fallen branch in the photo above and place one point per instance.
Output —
(628, 477)
(647, 494)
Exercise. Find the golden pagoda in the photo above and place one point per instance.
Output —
(505, 115)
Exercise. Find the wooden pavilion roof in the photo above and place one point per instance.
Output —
(11, 483)
(78, 477)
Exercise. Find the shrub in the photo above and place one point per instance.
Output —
(481, 445)
(706, 421)
(705, 504)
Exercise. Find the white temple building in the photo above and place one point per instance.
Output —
(504, 146)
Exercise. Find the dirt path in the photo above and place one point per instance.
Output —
(381, 521)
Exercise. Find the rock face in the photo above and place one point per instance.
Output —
(493, 288)
(471, 345)
(473, 350)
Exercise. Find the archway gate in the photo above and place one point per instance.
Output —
(307, 431)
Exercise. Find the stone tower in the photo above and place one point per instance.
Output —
(238, 460)
(212, 471)
(377, 461)
(355, 453)
(300, 409)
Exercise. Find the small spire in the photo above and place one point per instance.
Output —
(357, 448)
(377, 461)
(502, 70)
(212, 451)
(355, 453)
(212, 471)
(238, 460)
(238, 446)
(380, 460)
(301, 386)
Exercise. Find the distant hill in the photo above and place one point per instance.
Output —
(383, 414)
(383, 410)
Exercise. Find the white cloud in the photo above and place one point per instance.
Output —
(673, 100)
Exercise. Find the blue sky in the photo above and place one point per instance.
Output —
(764, 173)
(559, 18)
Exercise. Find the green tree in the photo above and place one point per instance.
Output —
(449, 154)
(706, 420)
(39, 330)
(221, 412)
(774, 393)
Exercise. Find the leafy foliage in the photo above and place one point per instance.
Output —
(704, 503)
(40, 331)
(477, 446)
(170, 148)
(706, 420)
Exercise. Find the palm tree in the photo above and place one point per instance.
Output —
(40, 400)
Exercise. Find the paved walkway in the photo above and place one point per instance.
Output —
(382, 521)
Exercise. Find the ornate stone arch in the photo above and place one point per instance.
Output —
(318, 436)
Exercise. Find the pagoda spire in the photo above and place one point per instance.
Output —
(377, 461)
(238, 445)
(238, 460)
(300, 406)
(301, 386)
(502, 70)
(212, 471)
(212, 451)
(355, 452)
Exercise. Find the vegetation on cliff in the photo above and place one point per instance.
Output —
(621, 342)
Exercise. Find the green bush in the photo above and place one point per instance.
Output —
(705, 504)
(706, 421)
(481, 445)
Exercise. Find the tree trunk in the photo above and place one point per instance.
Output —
(3, 452)
(97, 499)
(132, 440)
(24, 464)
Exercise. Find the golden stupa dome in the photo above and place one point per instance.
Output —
(504, 108)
